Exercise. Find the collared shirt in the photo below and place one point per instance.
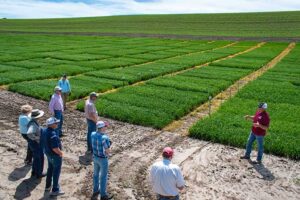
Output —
(100, 142)
(263, 119)
(166, 178)
(23, 123)
(90, 109)
(65, 85)
(56, 103)
(50, 140)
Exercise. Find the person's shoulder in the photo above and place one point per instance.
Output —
(104, 136)
(174, 166)
(94, 134)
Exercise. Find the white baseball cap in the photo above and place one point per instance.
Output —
(263, 105)
(101, 124)
(52, 120)
(57, 88)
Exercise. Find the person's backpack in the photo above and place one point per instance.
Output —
(34, 131)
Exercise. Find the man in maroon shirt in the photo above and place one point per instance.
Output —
(260, 125)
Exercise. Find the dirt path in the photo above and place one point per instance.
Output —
(182, 125)
(164, 36)
(212, 171)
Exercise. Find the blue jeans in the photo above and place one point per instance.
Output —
(100, 169)
(260, 144)
(53, 172)
(59, 115)
(91, 128)
(29, 152)
(161, 198)
(38, 158)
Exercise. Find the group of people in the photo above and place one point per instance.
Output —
(166, 178)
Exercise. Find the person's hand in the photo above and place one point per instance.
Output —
(62, 154)
(246, 117)
(256, 124)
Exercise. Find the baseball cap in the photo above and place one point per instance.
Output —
(93, 94)
(263, 105)
(57, 88)
(101, 124)
(168, 152)
(52, 120)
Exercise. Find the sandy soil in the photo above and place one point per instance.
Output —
(212, 171)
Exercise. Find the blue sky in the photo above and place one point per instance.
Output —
(85, 8)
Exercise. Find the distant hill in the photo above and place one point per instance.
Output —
(268, 24)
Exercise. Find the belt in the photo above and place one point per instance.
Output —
(99, 156)
(167, 197)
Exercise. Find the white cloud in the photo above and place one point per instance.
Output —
(48, 9)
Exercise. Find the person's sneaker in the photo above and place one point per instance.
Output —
(95, 195)
(256, 162)
(47, 189)
(107, 197)
(57, 193)
(245, 157)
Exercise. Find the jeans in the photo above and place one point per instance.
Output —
(29, 152)
(161, 198)
(38, 158)
(100, 169)
(91, 128)
(260, 144)
(59, 115)
(53, 172)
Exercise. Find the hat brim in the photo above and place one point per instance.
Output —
(40, 115)
(56, 122)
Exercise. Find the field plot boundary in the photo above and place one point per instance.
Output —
(182, 125)
(162, 36)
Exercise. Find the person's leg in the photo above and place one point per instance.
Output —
(91, 128)
(58, 115)
(57, 163)
(49, 171)
(32, 147)
(96, 175)
(64, 97)
(37, 159)
(103, 175)
(250, 141)
(29, 156)
(260, 145)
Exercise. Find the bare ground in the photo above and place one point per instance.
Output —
(212, 171)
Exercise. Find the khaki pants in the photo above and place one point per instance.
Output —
(64, 96)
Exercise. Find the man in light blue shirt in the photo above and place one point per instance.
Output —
(65, 86)
(101, 150)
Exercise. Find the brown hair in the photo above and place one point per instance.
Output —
(25, 109)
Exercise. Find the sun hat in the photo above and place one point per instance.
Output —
(101, 124)
(52, 120)
(26, 109)
(57, 88)
(93, 94)
(168, 152)
(36, 113)
(263, 105)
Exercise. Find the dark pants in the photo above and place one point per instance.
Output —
(38, 158)
(59, 115)
(159, 197)
(29, 152)
(91, 128)
(53, 172)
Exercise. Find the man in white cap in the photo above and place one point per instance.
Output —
(261, 122)
(101, 150)
(53, 150)
(166, 178)
(91, 115)
(56, 108)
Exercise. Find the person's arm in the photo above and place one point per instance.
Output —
(58, 151)
(180, 184)
(249, 117)
(260, 126)
(92, 113)
(69, 86)
(51, 105)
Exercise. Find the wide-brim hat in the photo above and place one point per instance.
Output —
(52, 120)
(36, 113)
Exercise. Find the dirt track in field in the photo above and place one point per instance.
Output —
(212, 171)
(163, 36)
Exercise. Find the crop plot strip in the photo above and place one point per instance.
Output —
(279, 87)
(159, 101)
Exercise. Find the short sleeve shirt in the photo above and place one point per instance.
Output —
(165, 178)
(23, 123)
(89, 108)
(100, 142)
(263, 119)
(50, 141)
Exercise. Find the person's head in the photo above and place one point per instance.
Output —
(52, 122)
(93, 96)
(64, 76)
(36, 114)
(26, 109)
(168, 153)
(262, 107)
(101, 126)
(57, 90)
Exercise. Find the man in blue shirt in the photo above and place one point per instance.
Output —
(101, 151)
(52, 147)
(66, 89)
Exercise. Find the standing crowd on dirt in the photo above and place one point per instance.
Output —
(166, 178)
